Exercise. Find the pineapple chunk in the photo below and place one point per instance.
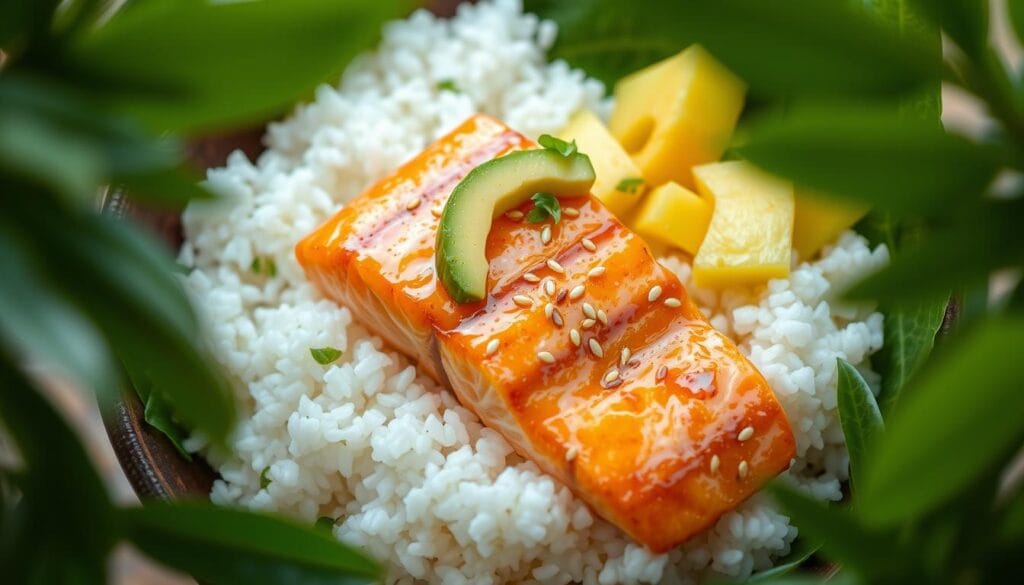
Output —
(819, 220)
(611, 164)
(750, 236)
(674, 215)
(676, 114)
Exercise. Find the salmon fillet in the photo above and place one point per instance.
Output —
(646, 412)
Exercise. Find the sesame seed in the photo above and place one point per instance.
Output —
(492, 346)
(560, 296)
(546, 357)
(589, 244)
(555, 266)
(523, 301)
(715, 462)
(602, 317)
(596, 272)
(654, 293)
(660, 375)
(548, 310)
(570, 212)
(614, 384)
(549, 287)
(596, 348)
(531, 277)
(743, 469)
(624, 356)
(588, 323)
(435, 212)
(574, 337)
(745, 434)
(514, 215)
(412, 204)
(633, 362)
(577, 292)
(556, 318)
(589, 311)
(571, 454)
(611, 376)
(673, 302)
(545, 235)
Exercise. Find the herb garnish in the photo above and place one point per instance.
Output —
(264, 265)
(630, 185)
(325, 355)
(558, 145)
(448, 85)
(264, 478)
(545, 205)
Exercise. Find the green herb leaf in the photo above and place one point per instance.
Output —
(630, 185)
(249, 60)
(558, 145)
(859, 416)
(221, 545)
(910, 330)
(325, 523)
(448, 85)
(965, 21)
(878, 155)
(325, 355)
(545, 205)
(264, 265)
(782, 48)
(804, 549)
(1016, 13)
(265, 478)
(843, 537)
(50, 519)
(159, 414)
(959, 420)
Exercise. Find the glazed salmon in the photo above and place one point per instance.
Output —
(587, 355)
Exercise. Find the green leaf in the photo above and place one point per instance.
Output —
(782, 48)
(910, 328)
(201, 64)
(325, 523)
(545, 205)
(38, 322)
(803, 550)
(955, 257)
(264, 265)
(325, 355)
(959, 420)
(630, 185)
(965, 21)
(448, 85)
(159, 414)
(25, 21)
(167, 187)
(875, 154)
(558, 145)
(844, 539)
(62, 496)
(1015, 10)
(226, 546)
(859, 416)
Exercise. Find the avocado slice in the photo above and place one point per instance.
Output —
(485, 193)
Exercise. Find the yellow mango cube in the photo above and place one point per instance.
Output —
(618, 184)
(676, 114)
(675, 216)
(819, 220)
(750, 237)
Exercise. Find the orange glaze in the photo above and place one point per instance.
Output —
(639, 451)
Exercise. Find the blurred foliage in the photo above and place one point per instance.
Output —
(847, 104)
(90, 96)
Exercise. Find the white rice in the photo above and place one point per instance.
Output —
(413, 477)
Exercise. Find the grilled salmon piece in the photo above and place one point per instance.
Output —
(660, 439)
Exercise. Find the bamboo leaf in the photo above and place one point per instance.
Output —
(965, 21)
(201, 64)
(226, 546)
(874, 154)
(781, 48)
(962, 416)
(859, 416)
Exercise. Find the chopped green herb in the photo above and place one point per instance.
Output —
(545, 205)
(325, 355)
(448, 85)
(325, 522)
(629, 185)
(261, 265)
(558, 145)
(264, 479)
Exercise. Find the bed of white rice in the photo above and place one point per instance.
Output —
(413, 477)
